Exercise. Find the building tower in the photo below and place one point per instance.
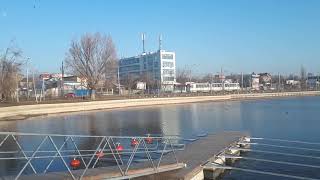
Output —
(143, 37)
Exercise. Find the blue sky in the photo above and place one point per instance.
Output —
(239, 35)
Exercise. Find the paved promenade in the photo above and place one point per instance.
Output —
(24, 111)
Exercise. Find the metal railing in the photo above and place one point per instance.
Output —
(85, 152)
(267, 156)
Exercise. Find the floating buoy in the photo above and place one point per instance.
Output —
(134, 142)
(149, 140)
(100, 154)
(75, 163)
(119, 147)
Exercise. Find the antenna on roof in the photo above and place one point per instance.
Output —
(160, 41)
(143, 37)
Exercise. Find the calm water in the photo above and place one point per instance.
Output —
(290, 118)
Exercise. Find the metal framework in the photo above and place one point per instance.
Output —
(218, 166)
(227, 154)
(103, 151)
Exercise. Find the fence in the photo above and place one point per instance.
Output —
(33, 153)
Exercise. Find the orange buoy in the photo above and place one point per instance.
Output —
(100, 154)
(149, 140)
(134, 142)
(119, 147)
(75, 163)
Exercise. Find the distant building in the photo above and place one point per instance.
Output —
(292, 82)
(265, 80)
(255, 81)
(158, 68)
(141, 86)
(26, 85)
(313, 82)
(210, 87)
(45, 76)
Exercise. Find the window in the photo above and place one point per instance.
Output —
(168, 78)
(167, 56)
(129, 61)
(167, 64)
(129, 68)
(156, 64)
(168, 71)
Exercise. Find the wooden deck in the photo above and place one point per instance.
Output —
(200, 152)
(195, 154)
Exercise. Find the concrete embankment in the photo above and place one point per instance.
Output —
(21, 112)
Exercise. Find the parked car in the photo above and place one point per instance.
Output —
(70, 95)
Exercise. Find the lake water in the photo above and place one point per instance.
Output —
(287, 118)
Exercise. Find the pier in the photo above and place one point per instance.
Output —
(200, 152)
(174, 160)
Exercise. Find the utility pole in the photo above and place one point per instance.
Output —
(211, 81)
(17, 90)
(34, 87)
(43, 94)
(241, 81)
(221, 79)
(119, 81)
(62, 82)
(279, 85)
(27, 78)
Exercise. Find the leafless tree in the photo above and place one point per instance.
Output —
(149, 80)
(207, 78)
(129, 82)
(303, 77)
(90, 58)
(10, 68)
(111, 74)
(183, 76)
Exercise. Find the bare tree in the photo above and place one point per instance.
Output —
(207, 78)
(10, 68)
(111, 74)
(303, 77)
(183, 76)
(90, 58)
(129, 81)
(149, 80)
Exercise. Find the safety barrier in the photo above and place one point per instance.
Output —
(84, 152)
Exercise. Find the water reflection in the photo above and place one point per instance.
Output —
(288, 118)
(292, 118)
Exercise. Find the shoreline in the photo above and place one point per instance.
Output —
(23, 112)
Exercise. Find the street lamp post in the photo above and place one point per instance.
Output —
(119, 80)
(27, 78)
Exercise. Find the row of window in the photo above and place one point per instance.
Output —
(231, 85)
(167, 64)
(129, 61)
(170, 78)
(130, 68)
(167, 56)
(217, 85)
(202, 85)
(168, 71)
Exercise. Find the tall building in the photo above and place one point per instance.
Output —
(156, 69)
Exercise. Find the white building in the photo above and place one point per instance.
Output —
(313, 82)
(255, 81)
(157, 68)
(211, 87)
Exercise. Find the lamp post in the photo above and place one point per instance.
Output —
(27, 69)
(119, 80)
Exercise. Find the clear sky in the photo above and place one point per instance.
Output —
(239, 35)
